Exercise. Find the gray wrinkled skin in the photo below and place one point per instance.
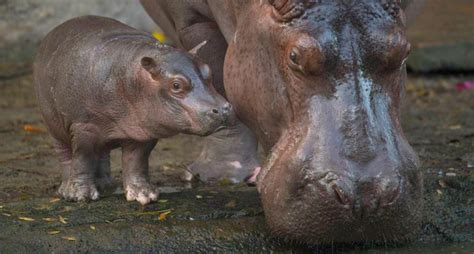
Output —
(101, 85)
(319, 83)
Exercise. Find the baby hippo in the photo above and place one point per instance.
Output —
(101, 85)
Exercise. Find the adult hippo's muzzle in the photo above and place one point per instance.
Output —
(344, 172)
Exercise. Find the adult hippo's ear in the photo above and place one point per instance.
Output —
(404, 10)
(286, 10)
(412, 9)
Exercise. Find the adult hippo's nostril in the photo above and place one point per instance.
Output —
(376, 194)
(215, 111)
(339, 186)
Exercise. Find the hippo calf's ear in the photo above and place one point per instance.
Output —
(196, 48)
(149, 64)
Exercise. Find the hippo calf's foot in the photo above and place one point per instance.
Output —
(73, 190)
(143, 192)
(229, 154)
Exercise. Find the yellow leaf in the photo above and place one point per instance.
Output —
(62, 219)
(198, 196)
(92, 227)
(54, 200)
(162, 200)
(163, 215)
(26, 218)
(49, 219)
(54, 232)
(1, 206)
(7, 214)
(69, 238)
(159, 36)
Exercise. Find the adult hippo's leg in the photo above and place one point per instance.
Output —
(232, 152)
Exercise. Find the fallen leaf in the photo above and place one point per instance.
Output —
(54, 232)
(49, 219)
(439, 192)
(54, 200)
(163, 215)
(198, 196)
(162, 201)
(7, 214)
(159, 36)
(32, 128)
(450, 174)
(231, 204)
(69, 238)
(62, 219)
(92, 227)
(442, 183)
(26, 218)
(1, 206)
(455, 127)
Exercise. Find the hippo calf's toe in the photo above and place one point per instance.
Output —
(101, 85)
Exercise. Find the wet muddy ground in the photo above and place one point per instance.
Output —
(437, 119)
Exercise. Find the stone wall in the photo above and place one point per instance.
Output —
(442, 36)
(24, 22)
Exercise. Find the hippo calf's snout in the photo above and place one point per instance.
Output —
(221, 113)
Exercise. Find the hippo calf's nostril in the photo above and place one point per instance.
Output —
(215, 111)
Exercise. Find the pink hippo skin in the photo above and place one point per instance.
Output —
(101, 85)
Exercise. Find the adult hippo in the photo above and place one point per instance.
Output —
(319, 83)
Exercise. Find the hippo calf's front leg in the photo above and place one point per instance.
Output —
(136, 181)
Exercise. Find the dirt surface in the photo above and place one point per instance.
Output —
(438, 121)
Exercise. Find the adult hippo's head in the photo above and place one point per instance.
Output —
(320, 84)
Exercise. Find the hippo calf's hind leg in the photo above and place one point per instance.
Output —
(104, 179)
(136, 181)
(79, 178)
(230, 153)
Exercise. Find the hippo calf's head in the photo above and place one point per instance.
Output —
(340, 168)
(178, 94)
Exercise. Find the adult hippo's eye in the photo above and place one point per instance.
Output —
(305, 56)
(176, 87)
(294, 56)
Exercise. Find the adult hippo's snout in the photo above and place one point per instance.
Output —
(347, 174)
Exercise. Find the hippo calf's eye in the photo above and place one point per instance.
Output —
(179, 87)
